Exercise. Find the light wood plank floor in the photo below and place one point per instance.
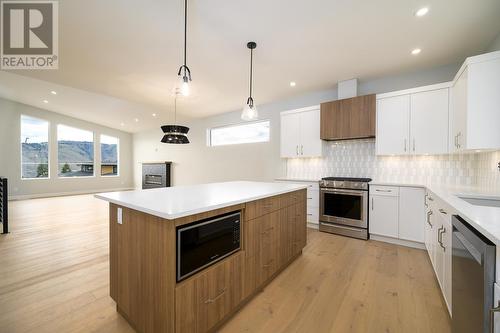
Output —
(54, 278)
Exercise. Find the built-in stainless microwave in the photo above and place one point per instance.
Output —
(203, 243)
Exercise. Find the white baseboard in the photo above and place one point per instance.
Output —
(397, 241)
(62, 194)
(313, 225)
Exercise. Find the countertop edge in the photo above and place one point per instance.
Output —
(199, 210)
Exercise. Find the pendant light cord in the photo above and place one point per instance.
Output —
(185, 31)
(250, 99)
(251, 71)
(184, 69)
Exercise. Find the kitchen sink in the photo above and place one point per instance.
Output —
(481, 200)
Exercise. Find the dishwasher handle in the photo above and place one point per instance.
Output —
(476, 254)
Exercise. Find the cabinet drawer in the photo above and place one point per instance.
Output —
(392, 191)
(261, 207)
(313, 214)
(289, 199)
(204, 300)
(312, 198)
(312, 187)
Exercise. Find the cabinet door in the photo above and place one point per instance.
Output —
(300, 232)
(439, 254)
(310, 142)
(393, 121)
(287, 231)
(334, 120)
(458, 113)
(384, 215)
(362, 116)
(411, 214)
(428, 226)
(290, 135)
(429, 122)
(205, 299)
(446, 239)
(269, 242)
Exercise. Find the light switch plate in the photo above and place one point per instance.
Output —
(119, 216)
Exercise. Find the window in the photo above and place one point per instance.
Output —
(109, 156)
(34, 148)
(75, 152)
(242, 133)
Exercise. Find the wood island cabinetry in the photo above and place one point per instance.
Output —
(143, 264)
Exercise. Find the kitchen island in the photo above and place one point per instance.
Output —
(144, 226)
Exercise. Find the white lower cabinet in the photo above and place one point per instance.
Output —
(397, 212)
(411, 214)
(438, 241)
(384, 215)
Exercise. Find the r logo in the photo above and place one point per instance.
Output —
(29, 29)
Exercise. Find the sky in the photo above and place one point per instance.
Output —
(66, 133)
(37, 130)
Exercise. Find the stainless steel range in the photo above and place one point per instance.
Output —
(343, 206)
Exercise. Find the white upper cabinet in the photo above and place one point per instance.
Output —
(429, 122)
(300, 133)
(393, 116)
(475, 104)
(290, 139)
(413, 121)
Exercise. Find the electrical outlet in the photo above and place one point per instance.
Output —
(119, 216)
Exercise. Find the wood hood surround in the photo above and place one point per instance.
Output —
(350, 118)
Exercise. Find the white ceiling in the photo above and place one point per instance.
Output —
(122, 56)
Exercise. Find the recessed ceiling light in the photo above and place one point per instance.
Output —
(154, 114)
(422, 11)
(53, 92)
(416, 51)
(136, 120)
(122, 124)
(293, 84)
(45, 101)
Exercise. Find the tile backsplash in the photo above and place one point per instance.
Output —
(357, 158)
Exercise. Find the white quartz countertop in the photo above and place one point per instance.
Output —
(179, 201)
(484, 219)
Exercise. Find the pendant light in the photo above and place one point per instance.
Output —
(250, 110)
(175, 134)
(184, 73)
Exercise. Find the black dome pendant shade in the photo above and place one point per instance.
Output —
(175, 134)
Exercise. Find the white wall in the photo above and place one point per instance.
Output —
(197, 163)
(495, 44)
(10, 155)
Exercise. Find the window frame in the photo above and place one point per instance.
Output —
(209, 133)
(93, 157)
(21, 148)
(117, 156)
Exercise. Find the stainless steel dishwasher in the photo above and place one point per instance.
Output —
(473, 277)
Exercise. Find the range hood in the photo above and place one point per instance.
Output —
(349, 117)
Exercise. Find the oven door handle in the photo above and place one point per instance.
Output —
(357, 192)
